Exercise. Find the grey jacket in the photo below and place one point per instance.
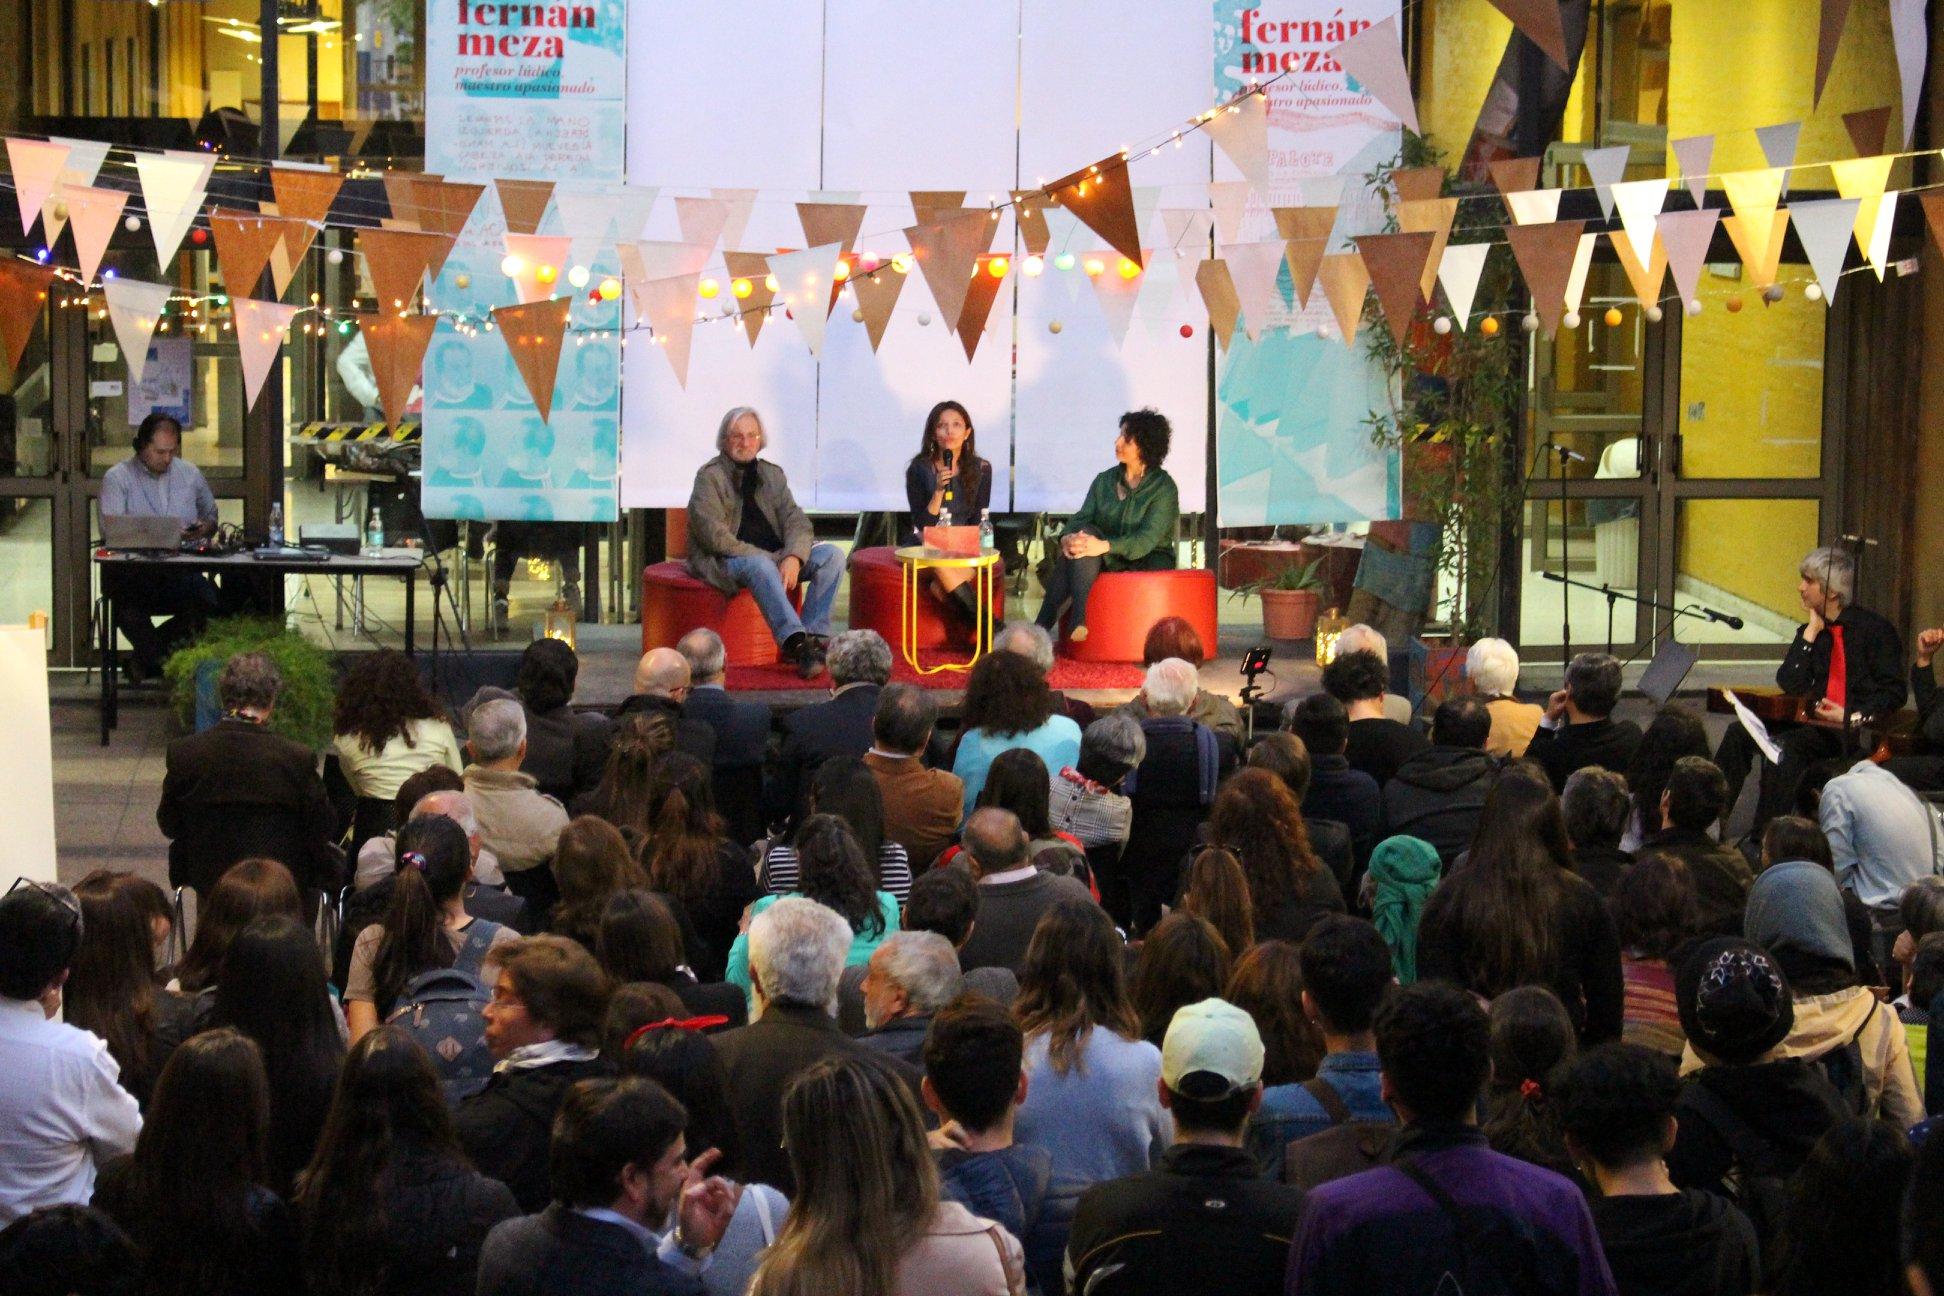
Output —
(715, 515)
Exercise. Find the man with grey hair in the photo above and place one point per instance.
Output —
(1171, 791)
(517, 822)
(1578, 728)
(661, 687)
(1032, 641)
(238, 790)
(1013, 893)
(1085, 801)
(1845, 663)
(797, 949)
(1492, 665)
(860, 666)
(746, 531)
(1597, 806)
(910, 976)
(921, 805)
(742, 732)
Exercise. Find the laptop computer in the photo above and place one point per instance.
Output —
(141, 532)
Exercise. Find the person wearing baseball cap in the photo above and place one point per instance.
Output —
(1204, 1219)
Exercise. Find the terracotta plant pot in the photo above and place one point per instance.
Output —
(1290, 614)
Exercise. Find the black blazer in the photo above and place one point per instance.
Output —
(971, 497)
(238, 790)
(560, 1251)
(507, 1127)
(742, 733)
(566, 750)
(839, 727)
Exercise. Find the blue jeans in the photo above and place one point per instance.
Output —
(758, 574)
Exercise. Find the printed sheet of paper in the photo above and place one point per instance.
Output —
(1756, 729)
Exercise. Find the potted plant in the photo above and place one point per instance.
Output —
(1291, 600)
(304, 705)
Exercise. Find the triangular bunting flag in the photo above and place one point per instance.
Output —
(1644, 277)
(1117, 297)
(36, 165)
(877, 293)
(1218, 294)
(1029, 214)
(1761, 256)
(1686, 236)
(1911, 36)
(647, 261)
(1395, 263)
(523, 203)
(1099, 195)
(948, 254)
(1156, 302)
(396, 346)
(533, 333)
(1187, 229)
(23, 300)
(1639, 202)
(1866, 127)
(1256, 269)
(1458, 273)
(402, 196)
(1607, 167)
(173, 184)
(1230, 200)
(636, 206)
(586, 216)
(669, 307)
(83, 164)
(736, 204)
(1829, 34)
(1933, 201)
(1533, 206)
(1823, 228)
(1146, 199)
(1545, 256)
(1514, 175)
(930, 206)
(701, 219)
(134, 308)
(803, 281)
(542, 265)
(1306, 238)
(397, 261)
(1418, 184)
(1538, 21)
(94, 213)
(827, 222)
(1432, 216)
(1753, 195)
(244, 241)
(444, 206)
(980, 294)
(1241, 130)
(261, 329)
(1779, 147)
(304, 196)
(753, 268)
(1863, 179)
(1694, 155)
(1344, 282)
(1375, 57)
(1582, 264)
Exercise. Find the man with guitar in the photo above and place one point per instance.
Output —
(1845, 666)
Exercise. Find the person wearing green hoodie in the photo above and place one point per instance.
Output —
(1126, 523)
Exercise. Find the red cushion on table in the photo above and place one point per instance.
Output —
(876, 587)
(1125, 605)
(673, 602)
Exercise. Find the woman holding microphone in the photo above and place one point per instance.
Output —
(947, 484)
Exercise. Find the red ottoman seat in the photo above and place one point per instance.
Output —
(875, 591)
(673, 603)
(1125, 605)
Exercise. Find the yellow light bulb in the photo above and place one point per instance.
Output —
(610, 288)
(708, 288)
(546, 274)
(512, 265)
(997, 267)
(843, 270)
(901, 262)
(742, 288)
(769, 282)
(1128, 269)
(1095, 267)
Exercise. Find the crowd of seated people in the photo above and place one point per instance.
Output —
(672, 1000)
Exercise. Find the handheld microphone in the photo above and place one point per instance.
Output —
(1564, 453)
(948, 485)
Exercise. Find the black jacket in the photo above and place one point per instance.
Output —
(561, 1252)
(1720, 874)
(1331, 842)
(566, 750)
(507, 1127)
(839, 727)
(1379, 747)
(1203, 1220)
(762, 1059)
(1688, 1243)
(262, 1260)
(1930, 716)
(1873, 651)
(437, 1213)
(1787, 1104)
(236, 791)
(1350, 797)
(1438, 794)
(1564, 751)
(742, 732)
(1168, 810)
(903, 1039)
(692, 737)
(1601, 866)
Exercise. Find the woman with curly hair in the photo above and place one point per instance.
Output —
(1007, 704)
(830, 870)
(1257, 820)
(386, 728)
(1126, 523)
(689, 856)
(639, 742)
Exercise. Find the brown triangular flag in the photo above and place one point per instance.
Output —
(1933, 201)
(949, 254)
(1218, 294)
(1761, 257)
(397, 260)
(825, 222)
(1306, 237)
(931, 206)
(444, 208)
(305, 196)
(1418, 184)
(524, 202)
(754, 267)
(1433, 216)
(1866, 127)
(980, 293)
(1538, 21)
(533, 334)
(23, 300)
(401, 192)
(244, 241)
(877, 292)
(1029, 214)
(396, 344)
(1395, 263)
(1344, 281)
(1515, 175)
(1829, 34)
(1545, 255)
(1101, 197)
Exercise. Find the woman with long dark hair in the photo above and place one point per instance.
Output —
(386, 728)
(272, 989)
(591, 863)
(689, 856)
(641, 941)
(565, 748)
(947, 484)
(1532, 1038)
(1841, 1227)
(636, 747)
(830, 870)
(1675, 732)
(389, 1205)
(1183, 960)
(1516, 914)
(249, 889)
(1008, 704)
(194, 1195)
(425, 927)
(1217, 889)
(868, 1219)
(111, 988)
(845, 787)
(1257, 820)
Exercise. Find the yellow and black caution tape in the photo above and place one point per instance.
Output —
(327, 433)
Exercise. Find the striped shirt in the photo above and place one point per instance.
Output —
(1649, 1015)
(894, 870)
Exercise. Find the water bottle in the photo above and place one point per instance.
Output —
(276, 525)
(986, 544)
(374, 533)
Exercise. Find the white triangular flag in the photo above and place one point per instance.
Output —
(1242, 131)
(1912, 40)
(701, 220)
(1639, 202)
(1824, 230)
(1582, 263)
(83, 164)
(669, 307)
(737, 204)
(1686, 236)
(586, 214)
(1230, 199)
(1607, 167)
(1256, 269)
(1534, 206)
(803, 282)
(173, 184)
(631, 213)
(134, 308)
(1695, 154)
(1458, 272)
(1146, 199)
(261, 329)
(1117, 298)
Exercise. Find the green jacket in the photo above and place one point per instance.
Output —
(1139, 530)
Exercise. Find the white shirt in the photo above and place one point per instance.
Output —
(62, 1111)
(664, 1248)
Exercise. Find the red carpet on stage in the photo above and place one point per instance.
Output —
(1066, 675)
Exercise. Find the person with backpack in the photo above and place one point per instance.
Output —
(423, 965)
(1446, 1213)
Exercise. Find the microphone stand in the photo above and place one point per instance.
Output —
(1556, 456)
(1613, 596)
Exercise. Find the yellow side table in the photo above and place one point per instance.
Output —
(916, 559)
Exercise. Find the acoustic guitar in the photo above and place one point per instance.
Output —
(1895, 734)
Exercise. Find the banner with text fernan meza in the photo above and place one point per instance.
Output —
(1292, 444)
(531, 92)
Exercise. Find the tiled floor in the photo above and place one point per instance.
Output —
(105, 797)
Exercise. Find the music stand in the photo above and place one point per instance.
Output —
(1667, 670)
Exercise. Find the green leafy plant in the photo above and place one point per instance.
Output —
(309, 692)
(1294, 577)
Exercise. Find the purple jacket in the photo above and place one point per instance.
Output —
(1379, 1234)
